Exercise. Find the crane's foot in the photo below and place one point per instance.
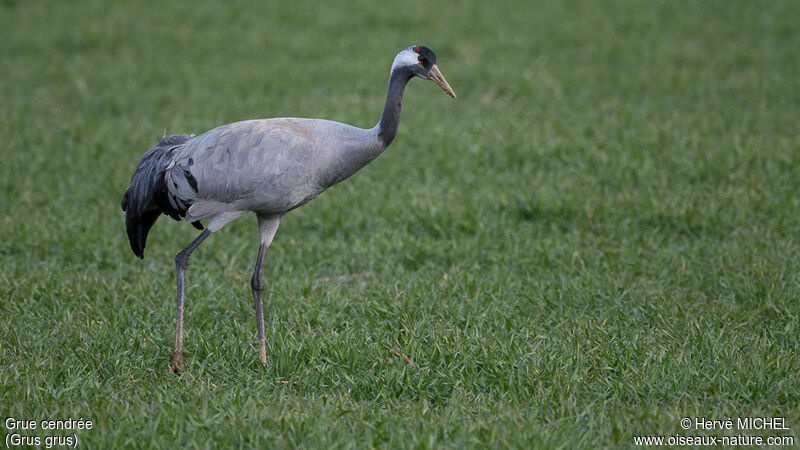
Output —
(262, 351)
(176, 362)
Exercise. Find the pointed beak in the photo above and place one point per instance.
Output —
(438, 78)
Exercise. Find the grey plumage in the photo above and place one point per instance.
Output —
(267, 166)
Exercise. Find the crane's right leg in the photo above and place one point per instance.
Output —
(181, 263)
(267, 226)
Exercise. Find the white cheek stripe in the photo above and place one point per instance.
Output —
(406, 57)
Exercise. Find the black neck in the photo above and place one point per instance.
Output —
(390, 119)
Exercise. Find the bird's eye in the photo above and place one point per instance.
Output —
(421, 59)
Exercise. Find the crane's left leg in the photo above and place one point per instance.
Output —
(267, 226)
(181, 263)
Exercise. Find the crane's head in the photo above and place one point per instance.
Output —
(421, 62)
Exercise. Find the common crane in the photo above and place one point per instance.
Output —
(267, 166)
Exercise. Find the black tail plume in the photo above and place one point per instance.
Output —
(146, 197)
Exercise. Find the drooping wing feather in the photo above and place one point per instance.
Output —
(145, 199)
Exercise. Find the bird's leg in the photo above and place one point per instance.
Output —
(267, 226)
(257, 283)
(181, 263)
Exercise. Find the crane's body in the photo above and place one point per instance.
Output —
(265, 166)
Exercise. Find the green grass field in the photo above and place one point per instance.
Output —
(597, 239)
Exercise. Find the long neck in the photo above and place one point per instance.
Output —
(390, 119)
